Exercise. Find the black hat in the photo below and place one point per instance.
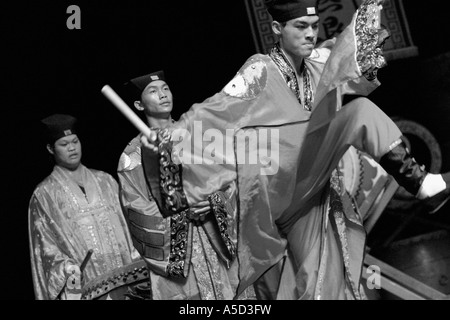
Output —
(285, 10)
(140, 83)
(58, 126)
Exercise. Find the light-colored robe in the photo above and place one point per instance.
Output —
(203, 273)
(64, 224)
(286, 193)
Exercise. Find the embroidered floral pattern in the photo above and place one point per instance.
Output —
(370, 38)
(93, 221)
(307, 89)
(178, 245)
(217, 202)
(174, 199)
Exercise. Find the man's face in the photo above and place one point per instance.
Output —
(67, 151)
(156, 99)
(299, 36)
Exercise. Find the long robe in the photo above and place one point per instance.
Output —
(205, 272)
(64, 223)
(282, 156)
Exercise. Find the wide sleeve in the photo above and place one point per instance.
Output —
(115, 195)
(352, 65)
(134, 193)
(149, 230)
(134, 196)
(50, 262)
(169, 192)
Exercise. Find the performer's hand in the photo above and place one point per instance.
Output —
(150, 142)
(199, 210)
(73, 283)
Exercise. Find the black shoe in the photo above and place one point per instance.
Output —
(403, 167)
(400, 164)
(433, 204)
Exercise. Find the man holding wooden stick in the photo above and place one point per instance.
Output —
(190, 253)
(297, 92)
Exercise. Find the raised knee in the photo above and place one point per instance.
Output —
(364, 101)
(361, 105)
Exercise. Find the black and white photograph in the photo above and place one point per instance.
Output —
(241, 150)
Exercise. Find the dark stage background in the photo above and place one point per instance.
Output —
(200, 45)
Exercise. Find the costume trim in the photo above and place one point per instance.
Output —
(178, 245)
(171, 185)
(289, 76)
(218, 204)
(370, 38)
